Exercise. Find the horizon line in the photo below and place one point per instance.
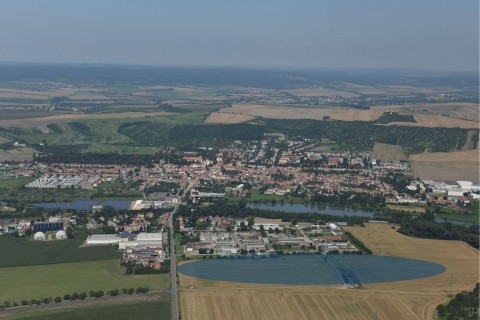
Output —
(226, 66)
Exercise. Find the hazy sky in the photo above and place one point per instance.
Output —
(425, 34)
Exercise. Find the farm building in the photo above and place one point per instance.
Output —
(48, 226)
(39, 236)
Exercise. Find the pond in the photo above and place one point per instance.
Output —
(329, 269)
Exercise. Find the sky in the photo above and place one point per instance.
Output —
(414, 34)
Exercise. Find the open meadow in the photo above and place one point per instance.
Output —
(383, 151)
(64, 118)
(412, 299)
(22, 252)
(447, 166)
(34, 282)
(146, 308)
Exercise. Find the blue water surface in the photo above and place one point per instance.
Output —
(84, 205)
(333, 269)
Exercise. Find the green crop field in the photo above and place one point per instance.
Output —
(118, 148)
(30, 195)
(34, 282)
(470, 218)
(152, 310)
(15, 182)
(21, 252)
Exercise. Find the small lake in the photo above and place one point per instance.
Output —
(84, 205)
(302, 208)
(334, 269)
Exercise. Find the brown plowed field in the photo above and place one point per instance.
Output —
(412, 300)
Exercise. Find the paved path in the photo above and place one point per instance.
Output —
(173, 265)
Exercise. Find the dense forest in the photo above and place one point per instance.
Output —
(388, 117)
(463, 306)
(424, 226)
(360, 135)
(188, 136)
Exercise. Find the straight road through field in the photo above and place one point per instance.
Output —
(173, 265)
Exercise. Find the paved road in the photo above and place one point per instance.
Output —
(173, 265)
(173, 268)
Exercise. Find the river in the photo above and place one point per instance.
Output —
(306, 208)
(84, 205)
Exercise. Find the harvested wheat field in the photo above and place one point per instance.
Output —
(234, 115)
(64, 118)
(412, 299)
(383, 151)
(316, 113)
(462, 110)
(19, 154)
(447, 166)
(433, 121)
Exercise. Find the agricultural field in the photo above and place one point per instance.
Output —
(412, 209)
(326, 148)
(383, 151)
(59, 279)
(146, 308)
(243, 113)
(223, 117)
(22, 252)
(17, 154)
(447, 166)
(289, 112)
(15, 182)
(434, 121)
(64, 118)
(412, 299)
(460, 110)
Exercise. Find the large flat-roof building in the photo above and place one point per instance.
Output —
(48, 226)
(102, 239)
(151, 240)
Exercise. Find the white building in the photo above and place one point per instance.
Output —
(151, 240)
(266, 226)
(60, 235)
(102, 239)
(40, 236)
